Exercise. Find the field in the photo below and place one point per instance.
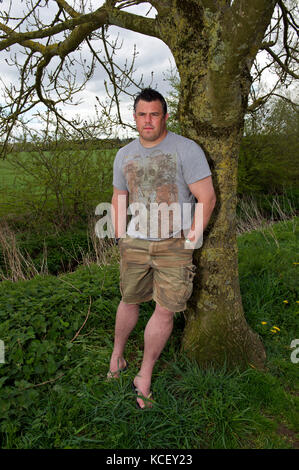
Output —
(58, 333)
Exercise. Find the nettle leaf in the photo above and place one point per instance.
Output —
(39, 323)
(16, 356)
(3, 380)
(21, 384)
(39, 369)
(27, 398)
(64, 323)
(4, 407)
(52, 365)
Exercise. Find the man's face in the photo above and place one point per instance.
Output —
(150, 122)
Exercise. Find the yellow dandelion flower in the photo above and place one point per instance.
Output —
(264, 323)
(285, 301)
(295, 263)
(276, 328)
(297, 301)
(273, 331)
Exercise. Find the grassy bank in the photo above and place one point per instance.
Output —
(58, 334)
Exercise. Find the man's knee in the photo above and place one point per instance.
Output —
(163, 310)
(129, 307)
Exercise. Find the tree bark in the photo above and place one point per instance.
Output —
(216, 330)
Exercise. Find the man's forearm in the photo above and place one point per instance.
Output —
(119, 215)
(202, 215)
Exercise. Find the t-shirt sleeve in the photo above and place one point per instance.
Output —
(119, 180)
(194, 163)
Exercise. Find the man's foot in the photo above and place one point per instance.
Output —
(121, 366)
(144, 395)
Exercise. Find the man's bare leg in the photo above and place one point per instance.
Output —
(126, 319)
(156, 334)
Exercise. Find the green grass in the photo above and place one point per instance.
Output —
(194, 408)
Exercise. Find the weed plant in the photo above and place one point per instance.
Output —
(58, 334)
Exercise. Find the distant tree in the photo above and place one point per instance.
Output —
(269, 152)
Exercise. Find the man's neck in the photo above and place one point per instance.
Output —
(149, 144)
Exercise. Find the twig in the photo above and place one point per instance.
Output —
(78, 332)
(42, 383)
(69, 284)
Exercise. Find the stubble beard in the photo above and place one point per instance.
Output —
(151, 137)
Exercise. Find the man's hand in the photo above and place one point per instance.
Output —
(203, 191)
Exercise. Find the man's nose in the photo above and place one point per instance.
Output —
(148, 118)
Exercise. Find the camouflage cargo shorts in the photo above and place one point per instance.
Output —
(158, 270)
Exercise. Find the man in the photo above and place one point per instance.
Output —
(156, 260)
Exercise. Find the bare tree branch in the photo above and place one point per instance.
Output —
(284, 49)
(65, 6)
(45, 41)
(281, 45)
(280, 63)
(86, 25)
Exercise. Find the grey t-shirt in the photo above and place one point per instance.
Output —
(157, 180)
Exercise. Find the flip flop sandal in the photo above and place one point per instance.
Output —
(111, 375)
(140, 395)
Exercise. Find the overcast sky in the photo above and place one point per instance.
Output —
(154, 57)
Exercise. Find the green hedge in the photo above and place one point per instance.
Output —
(268, 164)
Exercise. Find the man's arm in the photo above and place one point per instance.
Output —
(203, 191)
(119, 204)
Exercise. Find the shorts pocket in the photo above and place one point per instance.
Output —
(189, 273)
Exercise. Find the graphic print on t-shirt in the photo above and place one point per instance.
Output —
(152, 179)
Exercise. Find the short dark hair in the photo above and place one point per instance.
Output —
(148, 94)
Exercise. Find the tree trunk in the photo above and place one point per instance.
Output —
(214, 89)
(216, 330)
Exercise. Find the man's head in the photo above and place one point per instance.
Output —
(148, 94)
(150, 114)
